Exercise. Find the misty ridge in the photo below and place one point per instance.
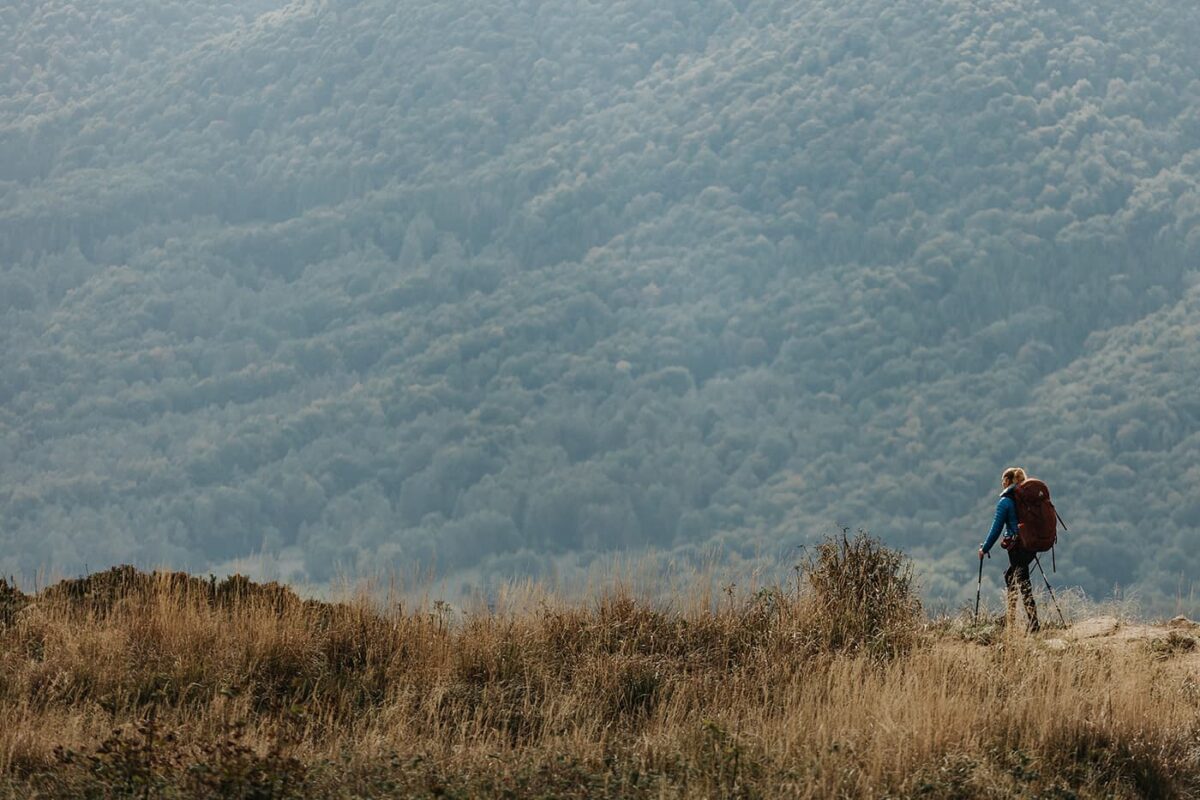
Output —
(502, 289)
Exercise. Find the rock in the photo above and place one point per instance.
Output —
(1096, 626)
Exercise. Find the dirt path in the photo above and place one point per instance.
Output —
(1177, 639)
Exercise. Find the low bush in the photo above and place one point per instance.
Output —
(861, 597)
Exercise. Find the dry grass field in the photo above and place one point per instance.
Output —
(126, 684)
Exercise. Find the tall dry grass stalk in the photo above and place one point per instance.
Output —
(164, 686)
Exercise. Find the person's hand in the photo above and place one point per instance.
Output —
(981, 554)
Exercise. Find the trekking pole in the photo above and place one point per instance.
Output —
(1051, 591)
(978, 589)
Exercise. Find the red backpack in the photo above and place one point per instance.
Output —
(1037, 519)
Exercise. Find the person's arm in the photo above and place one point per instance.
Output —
(997, 524)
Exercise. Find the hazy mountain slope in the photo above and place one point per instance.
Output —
(1118, 429)
(484, 284)
(1132, 417)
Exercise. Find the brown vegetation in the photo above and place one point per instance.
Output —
(134, 685)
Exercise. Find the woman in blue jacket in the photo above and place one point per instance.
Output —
(1017, 575)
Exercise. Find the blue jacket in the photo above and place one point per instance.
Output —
(1006, 516)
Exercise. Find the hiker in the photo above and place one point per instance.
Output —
(1017, 575)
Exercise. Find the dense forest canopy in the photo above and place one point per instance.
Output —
(496, 288)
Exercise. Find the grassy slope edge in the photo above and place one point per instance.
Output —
(133, 685)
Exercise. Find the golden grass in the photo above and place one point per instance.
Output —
(165, 687)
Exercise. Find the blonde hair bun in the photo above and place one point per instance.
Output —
(1014, 474)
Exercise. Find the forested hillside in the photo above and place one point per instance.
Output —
(497, 287)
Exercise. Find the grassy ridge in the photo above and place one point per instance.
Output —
(127, 684)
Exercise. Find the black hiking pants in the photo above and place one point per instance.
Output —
(1016, 578)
